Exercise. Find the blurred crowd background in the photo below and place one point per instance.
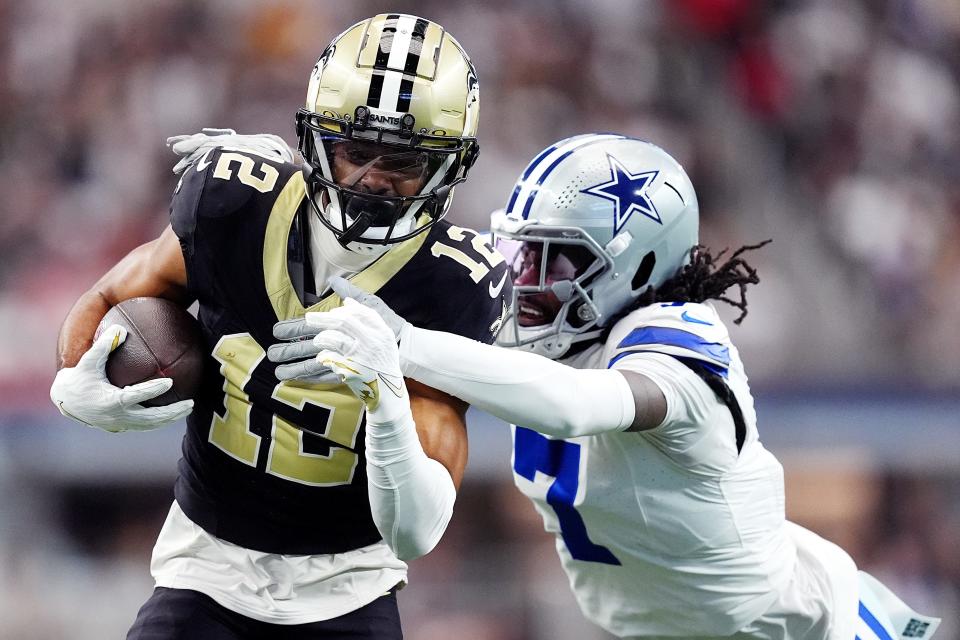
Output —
(831, 126)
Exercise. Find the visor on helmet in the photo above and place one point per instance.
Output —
(377, 185)
(356, 158)
(545, 273)
(553, 270)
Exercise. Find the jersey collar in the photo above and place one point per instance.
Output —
(276, 276)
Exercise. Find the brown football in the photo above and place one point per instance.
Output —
(163, 341)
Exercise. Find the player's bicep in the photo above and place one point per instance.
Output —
(649, 401)
(441, 426)
(154, 269)
(687, 399)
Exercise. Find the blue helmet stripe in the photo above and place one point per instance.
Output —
(526, 174)
(536, 189)
(574, 143)
(536, 161)
(513, 196)
(533, 192)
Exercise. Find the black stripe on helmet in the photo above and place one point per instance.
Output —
(405, 94)
(385, 44)
(411, 64)
(416, 46)
(376, 87)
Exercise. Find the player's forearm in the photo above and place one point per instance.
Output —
(519, 387)
(154, 269)
(76, 334)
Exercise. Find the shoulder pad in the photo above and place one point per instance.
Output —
(683, 330)
(465, 279)
(225, 181)
(467, 258)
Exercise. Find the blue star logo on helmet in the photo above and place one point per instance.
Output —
(628, 192)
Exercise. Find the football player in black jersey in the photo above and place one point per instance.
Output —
(296, 503)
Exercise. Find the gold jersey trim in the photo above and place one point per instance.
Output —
(276, 276)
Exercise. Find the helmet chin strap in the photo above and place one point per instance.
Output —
(364, 212)
(360, 224)
(361, 213)
(354, 257)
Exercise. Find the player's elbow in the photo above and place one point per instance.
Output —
(411, 547)
(578, 423)
(412, 515)
(584, 402)
(415, 537)
(570, 415)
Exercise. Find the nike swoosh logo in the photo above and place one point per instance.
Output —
(495, 290)
(203, 163)
(396, 388)
(689, 318)
(495, 327)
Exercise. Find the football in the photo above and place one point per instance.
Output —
(163, 341)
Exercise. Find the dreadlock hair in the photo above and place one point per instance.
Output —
(702, 279)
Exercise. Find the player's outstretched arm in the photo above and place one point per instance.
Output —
(412, 466)
(516, 386)
(81, 390)
(532, 391)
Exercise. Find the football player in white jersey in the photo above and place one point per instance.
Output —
(635, 432)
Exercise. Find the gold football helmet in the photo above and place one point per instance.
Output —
(389, 128)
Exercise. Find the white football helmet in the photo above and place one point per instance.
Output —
(394, 94)
(593, 222)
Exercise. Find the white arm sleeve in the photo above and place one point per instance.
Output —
(411, 495)
(519, 387)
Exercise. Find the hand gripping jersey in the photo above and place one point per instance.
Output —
(671, 531)
(279, 467)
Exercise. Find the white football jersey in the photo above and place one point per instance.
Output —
(671, 531)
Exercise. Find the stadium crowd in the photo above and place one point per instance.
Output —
(833, 128)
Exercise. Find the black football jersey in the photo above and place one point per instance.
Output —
(279, 467)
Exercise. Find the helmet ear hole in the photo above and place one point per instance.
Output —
(577, 318)
(642, 275)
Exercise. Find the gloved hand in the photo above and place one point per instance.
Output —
(361, 349)
(301, 351)
(192, 147)
(85, 394)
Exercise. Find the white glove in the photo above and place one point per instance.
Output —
(356, 345)
(347, 290)
(191, 148)
(300, 351)
(85, 394)
(298, 347)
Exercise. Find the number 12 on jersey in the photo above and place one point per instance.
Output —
(560, 460)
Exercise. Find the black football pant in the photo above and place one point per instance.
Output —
(182, 614)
